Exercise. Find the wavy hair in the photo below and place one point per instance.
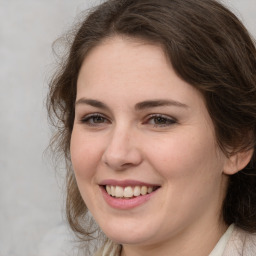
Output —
(209, 48)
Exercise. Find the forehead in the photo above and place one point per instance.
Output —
(125, 52)
(125, 66)
(123, 61)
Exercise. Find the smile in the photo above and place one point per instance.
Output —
(127, 194)
(129, 191)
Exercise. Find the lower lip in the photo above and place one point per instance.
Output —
(125, 204)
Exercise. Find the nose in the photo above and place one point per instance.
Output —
(122, 151)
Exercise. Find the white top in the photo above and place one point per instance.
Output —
(221, 245)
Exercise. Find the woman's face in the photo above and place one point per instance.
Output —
(144, 135)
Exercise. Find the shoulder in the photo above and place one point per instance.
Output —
(241, 243)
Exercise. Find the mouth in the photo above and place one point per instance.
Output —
(129, 192)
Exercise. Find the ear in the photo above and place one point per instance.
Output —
(237, 162)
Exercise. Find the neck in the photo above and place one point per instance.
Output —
(185, 243)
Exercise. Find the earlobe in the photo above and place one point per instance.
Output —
(237, 162)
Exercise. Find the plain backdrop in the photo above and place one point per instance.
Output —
(32, 219)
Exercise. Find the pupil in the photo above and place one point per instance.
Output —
(160, 120)
(98, 119)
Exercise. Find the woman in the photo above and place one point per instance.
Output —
(156, 110)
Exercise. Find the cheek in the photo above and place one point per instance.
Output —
(192, 170)
(85, 154)
(185, 154)
(85, 157)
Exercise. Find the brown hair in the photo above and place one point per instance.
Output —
(209, 48)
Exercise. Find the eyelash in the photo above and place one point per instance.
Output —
(92, 117)
(163, 119)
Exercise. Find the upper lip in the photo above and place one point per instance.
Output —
(126, 183)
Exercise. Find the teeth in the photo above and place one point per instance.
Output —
(119, 192)
(150, 189)
(136, 191)
(113, 191)
(128, 192)
(144, 190)
(108, 188)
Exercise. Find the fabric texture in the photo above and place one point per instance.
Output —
(222, 243)
(234, 242)
(241, 243)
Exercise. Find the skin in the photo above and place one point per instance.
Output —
(178, 152)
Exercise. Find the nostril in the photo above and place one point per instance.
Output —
(122, 160)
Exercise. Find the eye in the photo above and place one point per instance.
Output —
(158, 120)
(94, 119)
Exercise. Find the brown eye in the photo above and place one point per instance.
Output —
(98, 119)
(94, 120)
(161, 120)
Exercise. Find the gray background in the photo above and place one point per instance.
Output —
(31, 194)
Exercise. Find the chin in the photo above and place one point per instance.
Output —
(121, 238)
(128, 233)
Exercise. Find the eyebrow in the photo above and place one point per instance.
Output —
(93, 103)
(158, 103)
(139, 106)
